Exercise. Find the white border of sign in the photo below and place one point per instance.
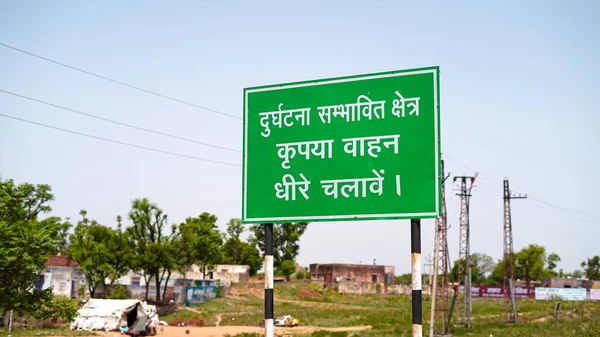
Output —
(432, 71)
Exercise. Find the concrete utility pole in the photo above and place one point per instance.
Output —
(439, 290)
(428, 269)
(509, 266)
(464, 270)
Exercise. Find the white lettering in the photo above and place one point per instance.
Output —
(373, 143)
(287, 188)
(352, 112)
(283, 117)
(399, 105)
(318, 148)
(367, 107)
(264, 122)
(330, 187)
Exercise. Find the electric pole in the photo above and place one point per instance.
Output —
(464, 269)
(428, 269)
(509, 266)
(439, 314)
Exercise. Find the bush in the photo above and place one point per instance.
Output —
(118, 292)
(59, 308)
(301, 275)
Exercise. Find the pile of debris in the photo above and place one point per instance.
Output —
(286, 321)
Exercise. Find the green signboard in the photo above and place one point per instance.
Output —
(350, 148)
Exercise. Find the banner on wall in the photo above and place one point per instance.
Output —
(595, 294)
(498, 292)
(567, 294)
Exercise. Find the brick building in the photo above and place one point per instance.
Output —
(560, 282)
(331, 273)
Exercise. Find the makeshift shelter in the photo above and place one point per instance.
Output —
(101, 314)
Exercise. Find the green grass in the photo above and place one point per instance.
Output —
(20, 332)
(387, 315)
(391, 315)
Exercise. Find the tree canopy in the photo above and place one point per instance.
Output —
(592, 268)
(286, 240)
(26, 242)
(101, 252)
(149, 241)
(236, 251)
(203, 237)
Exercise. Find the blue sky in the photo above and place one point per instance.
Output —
(518, 88)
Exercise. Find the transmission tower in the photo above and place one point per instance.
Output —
(464, 272)
(441, 272)
(509, 266)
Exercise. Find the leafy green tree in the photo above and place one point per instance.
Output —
(287, 268)
(249, 255)
(149, 242)
(102, 252)
(202, 235)
(25, 244)
(286, 240)
(232, 247)
(497, 275)
(553, 260)
(62, 235)
(530, 261)
(485, 266)
(461, 262)
(119, 254)
(236, 251)
(592, 268)
(404, 279)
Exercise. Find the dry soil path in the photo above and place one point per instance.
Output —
(175, 331)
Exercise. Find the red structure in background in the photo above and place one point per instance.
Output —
(499, 291)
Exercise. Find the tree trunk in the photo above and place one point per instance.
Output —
(166, 283)
(92, 290)
(106, 289)
(147, 288)
(157, 288)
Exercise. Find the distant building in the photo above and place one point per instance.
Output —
(224, 272)
(63, 275)
(332, 273)
(590, 284)
(231, 272)
(561, 282)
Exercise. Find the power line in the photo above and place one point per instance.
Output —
(118, 123)
(565, 209)
(472, 169)
(580, 214)
(121, 143)
(119, 82)
(564, 215)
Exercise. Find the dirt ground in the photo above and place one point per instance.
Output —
(175, 331)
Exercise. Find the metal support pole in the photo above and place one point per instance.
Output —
(514, 305)
(417, 295)
(10, 321)
(269, 324)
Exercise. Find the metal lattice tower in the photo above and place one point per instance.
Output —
(441, 273)
(464, 272)
(510, 309)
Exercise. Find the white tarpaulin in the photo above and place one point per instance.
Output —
(101, 314)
